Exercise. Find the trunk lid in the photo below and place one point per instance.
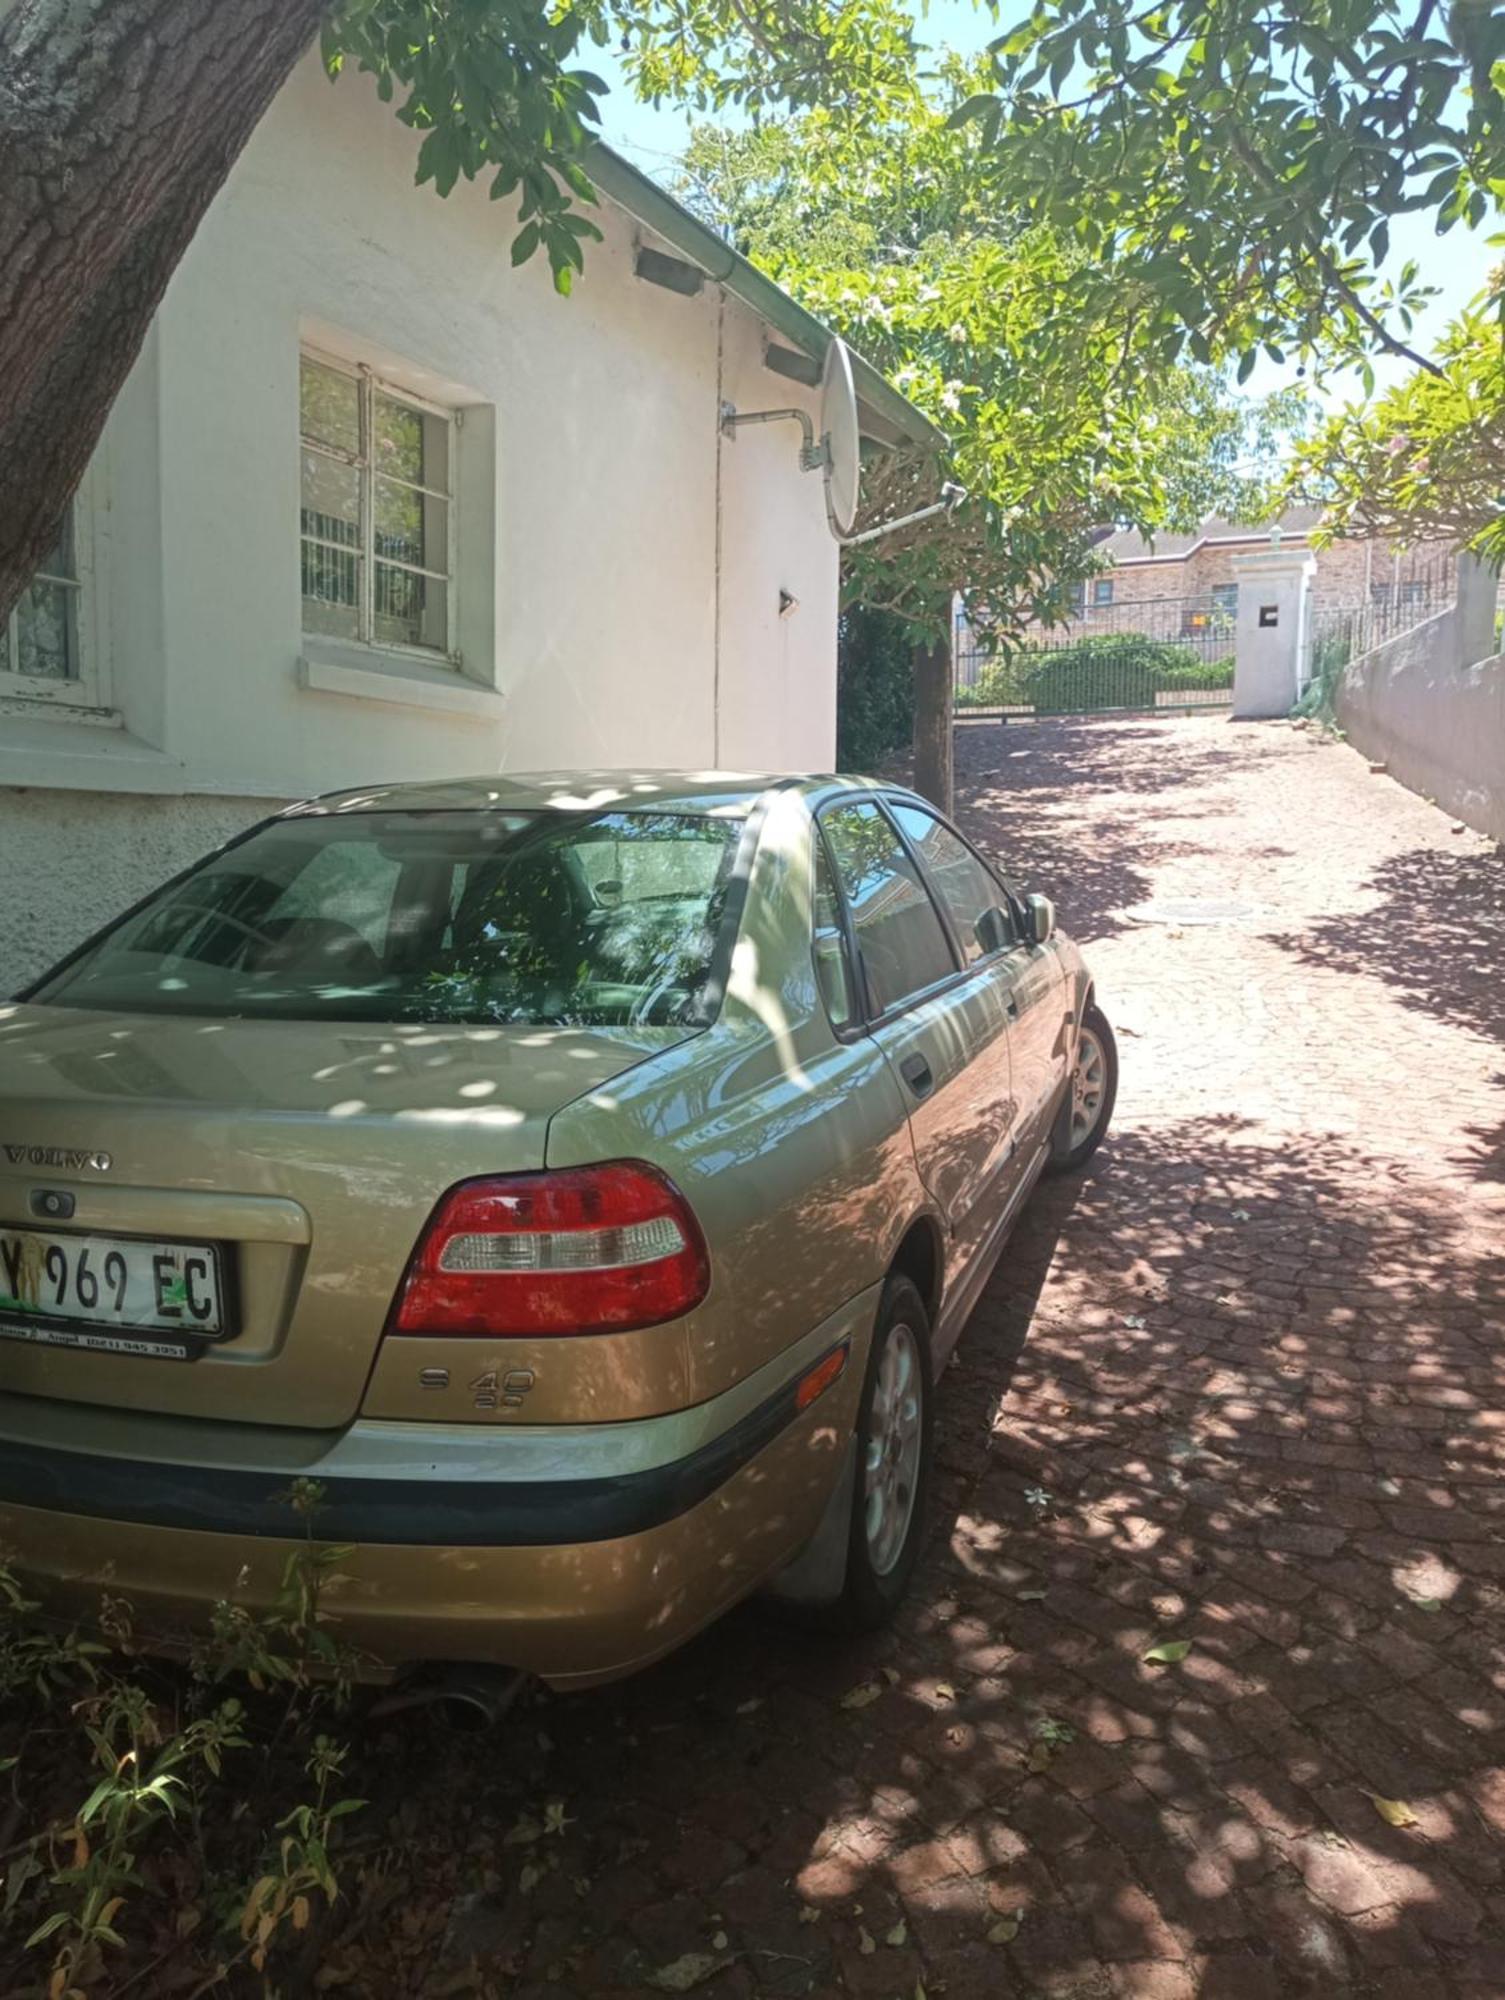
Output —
(311, 1153)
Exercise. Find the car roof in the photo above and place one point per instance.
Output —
(579, 791)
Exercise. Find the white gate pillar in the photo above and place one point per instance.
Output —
(1274, 594)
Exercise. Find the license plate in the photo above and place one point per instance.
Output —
(112, 1294)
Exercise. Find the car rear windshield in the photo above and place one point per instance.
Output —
(591, 919)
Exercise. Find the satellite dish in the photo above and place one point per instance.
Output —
(840, 443)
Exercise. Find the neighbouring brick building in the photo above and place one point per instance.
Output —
(1183, 585)
(1201, 563)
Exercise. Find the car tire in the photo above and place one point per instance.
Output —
(1091, 1093)
(891, 1486)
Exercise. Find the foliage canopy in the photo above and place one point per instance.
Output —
(1059, 421)
(1232, 168)
(1426, 460)
(497, 90)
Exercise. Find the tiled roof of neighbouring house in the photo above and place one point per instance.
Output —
(1127, 545)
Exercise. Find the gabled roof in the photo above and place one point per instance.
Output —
(1127, 545)
(886, 416)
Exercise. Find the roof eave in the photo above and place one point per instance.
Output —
(894, 415)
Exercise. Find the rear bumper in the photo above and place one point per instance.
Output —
(576, 1553)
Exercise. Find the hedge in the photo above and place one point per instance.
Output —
(1108, 670)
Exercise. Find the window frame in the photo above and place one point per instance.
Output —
(1008, 904)
(867, 1015)
(844, 1031)
(371, 383)
(865, 1018)
(1102, 592)
(86, 688)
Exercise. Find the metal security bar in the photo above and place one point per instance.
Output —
(1342, 629)
(1166, 654)
(376, 502)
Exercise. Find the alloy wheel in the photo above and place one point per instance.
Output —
(1089, 1083)
(892, 1467)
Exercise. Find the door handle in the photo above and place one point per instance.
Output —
(917, 1073)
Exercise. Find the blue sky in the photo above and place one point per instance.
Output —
(1456, 264)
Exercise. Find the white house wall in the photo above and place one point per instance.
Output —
(778, 673)
(595, 637)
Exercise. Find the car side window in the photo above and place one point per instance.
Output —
(961, 879)
(832, 972)
(899, 934)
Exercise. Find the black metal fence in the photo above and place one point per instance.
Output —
(1166, 654)
(1342, 629)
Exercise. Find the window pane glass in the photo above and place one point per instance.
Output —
(331, 522)
(410, 609)
(45, 646)
(329, 406)
(399, 524)
(965, 886)
(898, 932)
(549, 918)
(830, 945)
(411, 527)
(411, 444)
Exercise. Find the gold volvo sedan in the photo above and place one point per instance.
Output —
(583, 1179)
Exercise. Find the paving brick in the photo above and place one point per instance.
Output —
(1301, 1202)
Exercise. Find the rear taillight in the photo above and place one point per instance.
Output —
(583, 1250)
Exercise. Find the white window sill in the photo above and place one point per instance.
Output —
(85, 751)
(369, 675)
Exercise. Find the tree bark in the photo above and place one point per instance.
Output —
(933, 723)
(119, 121)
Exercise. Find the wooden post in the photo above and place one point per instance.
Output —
(933, 770)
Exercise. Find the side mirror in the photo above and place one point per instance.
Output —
(994, 931)
(1041, 912)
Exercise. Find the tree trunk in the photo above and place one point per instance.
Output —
(933, 724)
(119, 120)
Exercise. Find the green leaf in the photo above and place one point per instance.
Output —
(1169, 1653)
(1394, 1812)
(976, 107)
(525, 243)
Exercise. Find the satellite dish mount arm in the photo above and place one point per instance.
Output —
(813, 457)
(951, 498)
(837, 452)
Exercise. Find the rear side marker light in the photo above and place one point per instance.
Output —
(821, 1376)
(582, 1250)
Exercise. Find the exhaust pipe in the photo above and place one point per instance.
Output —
(474, 1697)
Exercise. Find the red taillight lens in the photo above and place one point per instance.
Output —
(583, 1250)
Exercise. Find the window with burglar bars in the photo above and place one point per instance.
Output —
(375, 522)
(40, 638)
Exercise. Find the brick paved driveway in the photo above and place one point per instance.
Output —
(1241, 1385)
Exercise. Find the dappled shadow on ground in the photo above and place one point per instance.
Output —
(1432, 932)
(1434, 929)
(1216, 1394)
(1080, 808)
(1238, 1389)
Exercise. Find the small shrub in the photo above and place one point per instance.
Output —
(1104, 671)
(1093, 674)
(1318, 700)
(874, 688)
(133, 1776)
